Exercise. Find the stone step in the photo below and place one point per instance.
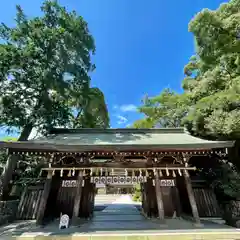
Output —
(113, 213)
(105, 199)
(132, 235)
(118, 217)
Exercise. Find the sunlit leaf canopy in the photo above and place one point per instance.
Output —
(210, 103)
(45, 68)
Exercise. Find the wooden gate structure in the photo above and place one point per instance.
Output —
(29, 202)
(158, 159)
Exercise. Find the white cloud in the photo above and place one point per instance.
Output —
(126, 108)
(121, 119)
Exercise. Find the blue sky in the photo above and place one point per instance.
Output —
(142, 46)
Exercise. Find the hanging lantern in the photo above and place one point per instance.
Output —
(179, 172)
(140, 172)
(167, 172)
(154, 171)
(109, 180)
(126, 172)
(91, 172)
(101, 171)
(61, 173)
(73, 172)
(69, 173)
(53, 172)
(160, 173)
(173, 173)
(134, 180)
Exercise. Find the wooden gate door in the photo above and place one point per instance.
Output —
(29, 203)
(65, 200)
(169, 206)
(207, 203)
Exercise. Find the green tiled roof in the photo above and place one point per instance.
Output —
(119, 139)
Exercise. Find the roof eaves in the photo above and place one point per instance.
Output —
(80, 148)
(55, 131)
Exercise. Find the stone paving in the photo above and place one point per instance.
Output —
(122, 220)
(122, 214)
(105, 199)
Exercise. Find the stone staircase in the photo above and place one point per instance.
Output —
(105, 199)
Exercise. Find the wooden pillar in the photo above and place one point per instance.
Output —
(143, 194)
(78, 196)
(152, 201)
(89, 203)
(44, 199)
(6, 176)
(161, 213)
(191, 198)
(146, 204)
(92, 200)
(148, 188)
(176, 199)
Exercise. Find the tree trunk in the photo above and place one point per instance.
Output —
(10, 165)
(26, 132)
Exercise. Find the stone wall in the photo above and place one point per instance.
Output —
(232, 213)
(8, 211)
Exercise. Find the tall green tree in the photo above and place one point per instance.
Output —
(44, 62)
(210, 104)
(91, 110)
(146, 122)
(165, 110)
(213, 74)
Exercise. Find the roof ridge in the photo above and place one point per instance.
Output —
(115, 130)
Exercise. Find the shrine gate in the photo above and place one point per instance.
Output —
(158, 159)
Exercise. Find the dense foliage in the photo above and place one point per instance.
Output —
(137, 195)
(44, 70)
(210, 104)
(213, 74)
(3, 153)
(166, 110)
(45, 64)
(91, 111)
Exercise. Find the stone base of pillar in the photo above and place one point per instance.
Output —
(162, 222)
(8, 211)
(198, 225)
(75, 222)
(163, 225)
